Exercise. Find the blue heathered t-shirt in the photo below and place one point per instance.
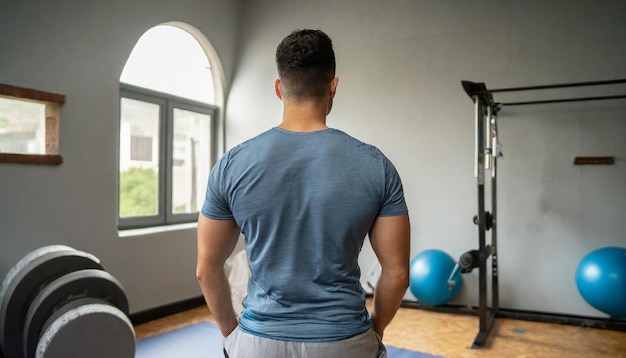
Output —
(304, 202)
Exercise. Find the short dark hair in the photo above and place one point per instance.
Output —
(305, 61)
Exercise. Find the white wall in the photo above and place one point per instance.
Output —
(400, 64)
(79, 49)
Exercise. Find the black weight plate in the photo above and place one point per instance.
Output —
(74, 285)
(24, 281)
(9, 282)
(91, 330)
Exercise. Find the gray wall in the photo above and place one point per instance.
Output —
(400, 64)
(78, 49)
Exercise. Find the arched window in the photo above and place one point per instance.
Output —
(168, 115)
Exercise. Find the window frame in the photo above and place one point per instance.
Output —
(167, 103)
(53, 103)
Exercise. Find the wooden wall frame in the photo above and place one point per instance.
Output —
(53, 103)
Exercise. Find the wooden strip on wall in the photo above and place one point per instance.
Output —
(31, 159)
(32, 94)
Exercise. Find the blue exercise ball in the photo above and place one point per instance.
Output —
(430, 271)
(601, 280)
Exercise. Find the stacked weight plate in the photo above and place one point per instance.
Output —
(60, 302)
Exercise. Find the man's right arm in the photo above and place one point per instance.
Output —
(390, 237)
(216, 241)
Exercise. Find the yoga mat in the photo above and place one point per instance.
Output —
(204, 340)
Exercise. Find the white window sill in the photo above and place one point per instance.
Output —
(156, 229)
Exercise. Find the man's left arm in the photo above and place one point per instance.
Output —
(216, 241)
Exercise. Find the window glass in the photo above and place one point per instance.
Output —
(168, 59)
(22, 127)
(190, 167)
(139, 158)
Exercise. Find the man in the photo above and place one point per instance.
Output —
(304, 196)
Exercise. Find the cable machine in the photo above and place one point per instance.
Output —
(487, 151)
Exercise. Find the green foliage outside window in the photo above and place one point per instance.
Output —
(138, 192)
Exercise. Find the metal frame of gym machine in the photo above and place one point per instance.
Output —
(487, 152)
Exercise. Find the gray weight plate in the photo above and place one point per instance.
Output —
(92, 330)
(33, 272)
(91, 283)
(70, 306)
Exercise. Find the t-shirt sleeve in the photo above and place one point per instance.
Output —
(216, 204)
(393, 203)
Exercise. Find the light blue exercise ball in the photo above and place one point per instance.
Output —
(429, 274)
(601, 280)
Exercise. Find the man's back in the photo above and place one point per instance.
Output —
(305, 196)
(305, 202)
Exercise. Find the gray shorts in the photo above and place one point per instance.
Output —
(239, 344)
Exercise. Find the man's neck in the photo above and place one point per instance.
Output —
(304, 117)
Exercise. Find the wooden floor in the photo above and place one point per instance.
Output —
(450, 335)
